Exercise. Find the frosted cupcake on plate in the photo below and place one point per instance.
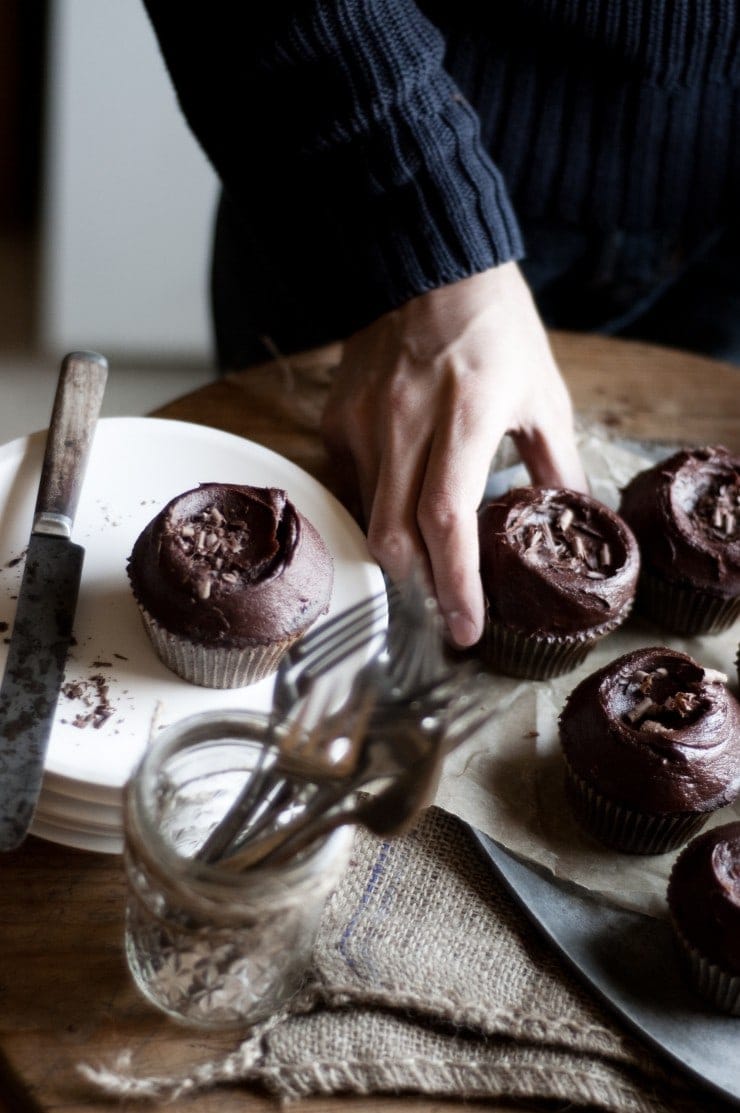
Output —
(685, 513)
(652, 748)
(704, 905)
(559, 572)
(227, 578)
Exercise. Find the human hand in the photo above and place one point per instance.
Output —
(419, 404)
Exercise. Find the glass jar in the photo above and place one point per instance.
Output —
(209, 947)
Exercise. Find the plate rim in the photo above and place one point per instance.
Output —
(12, 453)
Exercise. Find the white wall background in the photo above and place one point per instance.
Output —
(128, 194)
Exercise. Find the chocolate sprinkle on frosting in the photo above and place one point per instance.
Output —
(556, 561)
(232, 565)
(685, 513)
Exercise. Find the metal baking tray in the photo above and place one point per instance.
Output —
(631, 961)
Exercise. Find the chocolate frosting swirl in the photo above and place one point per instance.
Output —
(685, 513)
(704, 895)
(232, 565)
(656, 732)
(555, 561)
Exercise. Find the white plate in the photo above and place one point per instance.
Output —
(79, 837)
(78, 822)
(136, 466)
(67, 809)
(82, 792)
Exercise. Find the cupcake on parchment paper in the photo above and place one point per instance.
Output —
(704, 906)
(685, 513)
(559, 572)
(227, 577)
(652, 748)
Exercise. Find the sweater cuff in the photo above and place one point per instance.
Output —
(405, 208)
(439, 213)
(353, 166)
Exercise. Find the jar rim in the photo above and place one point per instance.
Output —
(201, 727)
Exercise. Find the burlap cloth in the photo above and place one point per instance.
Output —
(427, 979)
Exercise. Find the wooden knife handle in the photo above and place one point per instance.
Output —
(77, 403)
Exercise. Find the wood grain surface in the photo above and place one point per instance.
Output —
(65, 993)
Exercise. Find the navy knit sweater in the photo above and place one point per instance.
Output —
(373, 149)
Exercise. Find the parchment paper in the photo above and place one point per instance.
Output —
(508, 780)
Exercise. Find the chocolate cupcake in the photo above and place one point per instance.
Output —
(704, 905)
(652, 748)
(559, 571)
(685, 513)
(227, 577)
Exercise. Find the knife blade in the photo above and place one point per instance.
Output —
(42, 629)
(629, 959)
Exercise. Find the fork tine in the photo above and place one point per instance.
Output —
(312, 758)
(311, 673)
(443, 687)
(251, 852)
(249, 801)
(416, 644)
(327, 646)
(343, 624)
(308, 741)
(460, 729)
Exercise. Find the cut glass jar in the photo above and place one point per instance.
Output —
(209, 947)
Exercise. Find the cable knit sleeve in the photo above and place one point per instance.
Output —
(352, 159)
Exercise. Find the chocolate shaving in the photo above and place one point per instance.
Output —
(641, 709)
(214, 544)
(566, 535)
(717, 509)
(94, 694)
(579, 549)
(566, 519)
(677, 706)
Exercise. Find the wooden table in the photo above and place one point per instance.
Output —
(65, 993)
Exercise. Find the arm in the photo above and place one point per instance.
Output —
(355, 163)
(420, 402)
(357, 167)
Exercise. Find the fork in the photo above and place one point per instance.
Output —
(322, 649)
(389, 614)
(296, 737)
(305, 759)
(399, 671)
(425, 745)
(311, 658)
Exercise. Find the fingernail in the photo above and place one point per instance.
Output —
(463, 631)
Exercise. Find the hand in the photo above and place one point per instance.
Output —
(420, 402)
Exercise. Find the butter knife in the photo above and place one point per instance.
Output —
(42, 629)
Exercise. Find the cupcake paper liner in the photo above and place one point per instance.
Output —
(541, 657)
(530, 657)
(624, 829)
(683, 609)
(214, 667)
(719, 987)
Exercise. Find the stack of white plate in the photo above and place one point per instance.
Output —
(116, 693)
